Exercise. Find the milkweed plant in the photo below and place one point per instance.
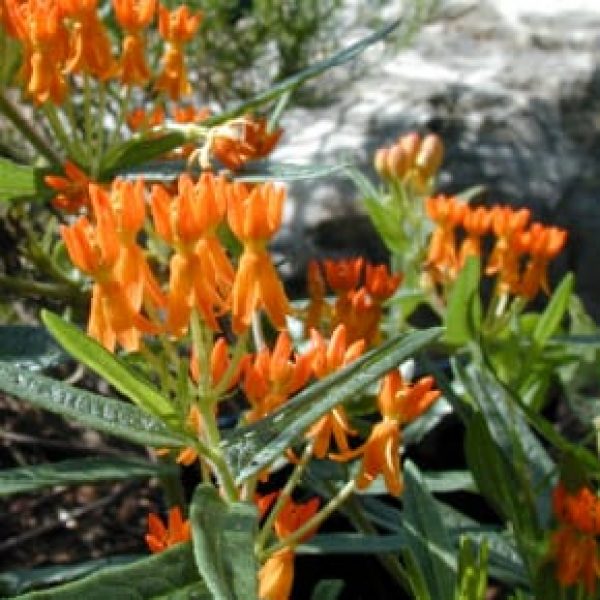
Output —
(154, 260)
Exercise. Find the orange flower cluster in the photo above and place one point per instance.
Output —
(73, 189)
(161, 537)
(67, 37)
(201, 275)
(574, 547)
(358, 304)
(106, 249)
(521, 252)
(399, 403)
(276, 576)
(253, 141)
(412, 160)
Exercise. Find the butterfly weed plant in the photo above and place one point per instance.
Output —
(155, 258)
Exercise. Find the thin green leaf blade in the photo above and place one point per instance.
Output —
(427, 537)
(20, 581)
(463, 317)
(29, 347)
(107, 415)
(352, 543)
(298, 79)
(224, 544)
(155, 577)
(78, 471)
(107, 365)
(250, 449)
(554, 313)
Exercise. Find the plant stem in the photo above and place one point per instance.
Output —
(32, 136)
(54, 291)
(310, 525)
(284, 496)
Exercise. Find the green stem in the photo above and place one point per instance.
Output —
(99, 128)
(53, 291)
(294, 538)
(58, 128)
(32, 136)
(87, 115)
(284, 496)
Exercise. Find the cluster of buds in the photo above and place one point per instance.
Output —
(360, 289)
(574, 547)
(412, 160)
(66, 37)
(521, 253)
(201, 276)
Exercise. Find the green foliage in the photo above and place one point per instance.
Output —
(19, 182)
(157, 577)
(224, 544)
(29, 347)
(113, 417)
(472, 571)
(78, 471)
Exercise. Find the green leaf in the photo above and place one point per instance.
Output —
(512, 435)
(21, 181)
(472, 570)
(328, 589)
(77, 471)
(268, 170)
(26, 580)
(298, 79)
(352, 543)
(107, 415)
(463, 318)
(29, 347)
(249, 449)
(427, 537)
(107, 365)
(387, 221)
(555, 311)
(138, 151)
(224, 544)
(153, 578)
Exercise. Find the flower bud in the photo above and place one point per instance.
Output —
(397, 162)
(430, 156)
(380, 163)
(410, 143)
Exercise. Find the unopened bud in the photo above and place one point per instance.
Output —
(410, 143)
(397, 162)
(380, 163)
(430, 156)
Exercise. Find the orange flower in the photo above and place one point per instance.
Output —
(316, 292)
(254, 217)
(508, 226)
(276, 576)
(176, 28)
(96, 250)
(72, 189)
(272, 377)
(476, 222)
(343, 275)
(326, 359)
(133, 16)
(38, 25)
(139, 119)
(543, 244)
(201, 275)
(573, 544)
(447, 213)
(161, 537)
(576, 557)
(89, 45)
(190, 114)
(404, 402)
(252, 143)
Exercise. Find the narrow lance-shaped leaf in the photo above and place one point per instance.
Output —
(224, 544)
(29, 347)
(107, 415)
(21, 181)
(153, 578)
(77, 471)
(427, 537)
(555, 311)
(107, 365)
(250, 449)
